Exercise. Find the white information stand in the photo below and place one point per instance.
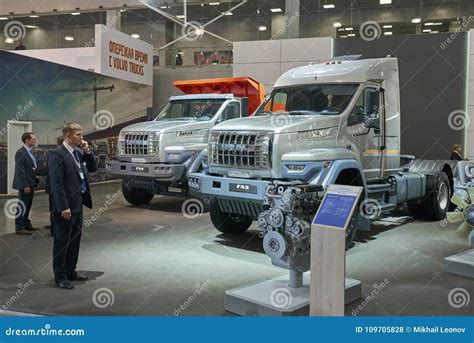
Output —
(328, 253)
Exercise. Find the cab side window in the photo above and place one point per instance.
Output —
(366, 106)
(232, 111)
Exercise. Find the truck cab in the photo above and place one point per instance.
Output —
(335, 122)
(156, 157)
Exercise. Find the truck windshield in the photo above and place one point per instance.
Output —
(319, 99)
(197, 109)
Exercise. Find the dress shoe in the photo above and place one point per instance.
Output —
(31, 229)
(77, 277)
(23, 232)
(66, 284)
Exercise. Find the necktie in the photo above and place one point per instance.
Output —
(83, 178)
(32, 157)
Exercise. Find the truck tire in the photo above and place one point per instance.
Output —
(415, 210)
(136, 196)
(436, 203)
(228, 223)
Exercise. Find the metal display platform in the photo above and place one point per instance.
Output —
(275, 298)
(460, 264)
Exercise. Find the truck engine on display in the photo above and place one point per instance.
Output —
(156, 157)
(335, 122)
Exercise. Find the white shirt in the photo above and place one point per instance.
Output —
(71, 151)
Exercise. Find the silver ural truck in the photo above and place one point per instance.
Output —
(336, 122)
(156, 157)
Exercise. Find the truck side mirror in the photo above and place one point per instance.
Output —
(355, 119)
(373, 123)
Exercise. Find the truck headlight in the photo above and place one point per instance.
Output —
(178, 157)
(194, 182)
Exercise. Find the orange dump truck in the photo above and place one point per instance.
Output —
(156, 157)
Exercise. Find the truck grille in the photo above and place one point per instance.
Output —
(139, 144)
(240, 150)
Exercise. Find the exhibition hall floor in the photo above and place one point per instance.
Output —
(154, 261)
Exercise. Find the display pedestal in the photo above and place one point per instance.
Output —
(460, 264)
(275, 298)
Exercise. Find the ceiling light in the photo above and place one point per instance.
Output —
(416, 20)
(387, 26)
(229, 13)
(214, 3)
(388, 33)
(76, 13)
(258, 11)
(433, 24)
(163, 7)
(336, 24)
(328, 6)
(427, 30)
(342, 36)
(123, 10)
(3, 18)
(385, 2)
(32, 26)
(262, 28)
(69, 38)
(34, 16)
(9, 40)
(340, 29)
(349, 29)
(434, 32)
(351, 35)
(135, 35)
(180, 16)
(276, 10)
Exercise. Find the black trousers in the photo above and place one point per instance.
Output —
(67, 240)
(22, 220)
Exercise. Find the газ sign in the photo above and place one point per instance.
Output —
(121, 56)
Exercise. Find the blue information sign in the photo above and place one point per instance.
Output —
(335, 210)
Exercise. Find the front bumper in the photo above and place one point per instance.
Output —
(202, 185)
(162, 172)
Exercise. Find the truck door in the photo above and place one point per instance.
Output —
(364, 125)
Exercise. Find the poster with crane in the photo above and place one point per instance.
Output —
(49, 94)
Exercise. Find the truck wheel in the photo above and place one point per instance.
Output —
(228, 223)
(136, 196)
(415, 210)
(436, 204)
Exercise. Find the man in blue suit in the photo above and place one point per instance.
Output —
(25, 181)
(68, 168)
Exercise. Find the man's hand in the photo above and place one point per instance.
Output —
(85, 147)
(27, 190)
(66, 214)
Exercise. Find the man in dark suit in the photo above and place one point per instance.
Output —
(456, 154)
(25, 181)
(68, 176)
